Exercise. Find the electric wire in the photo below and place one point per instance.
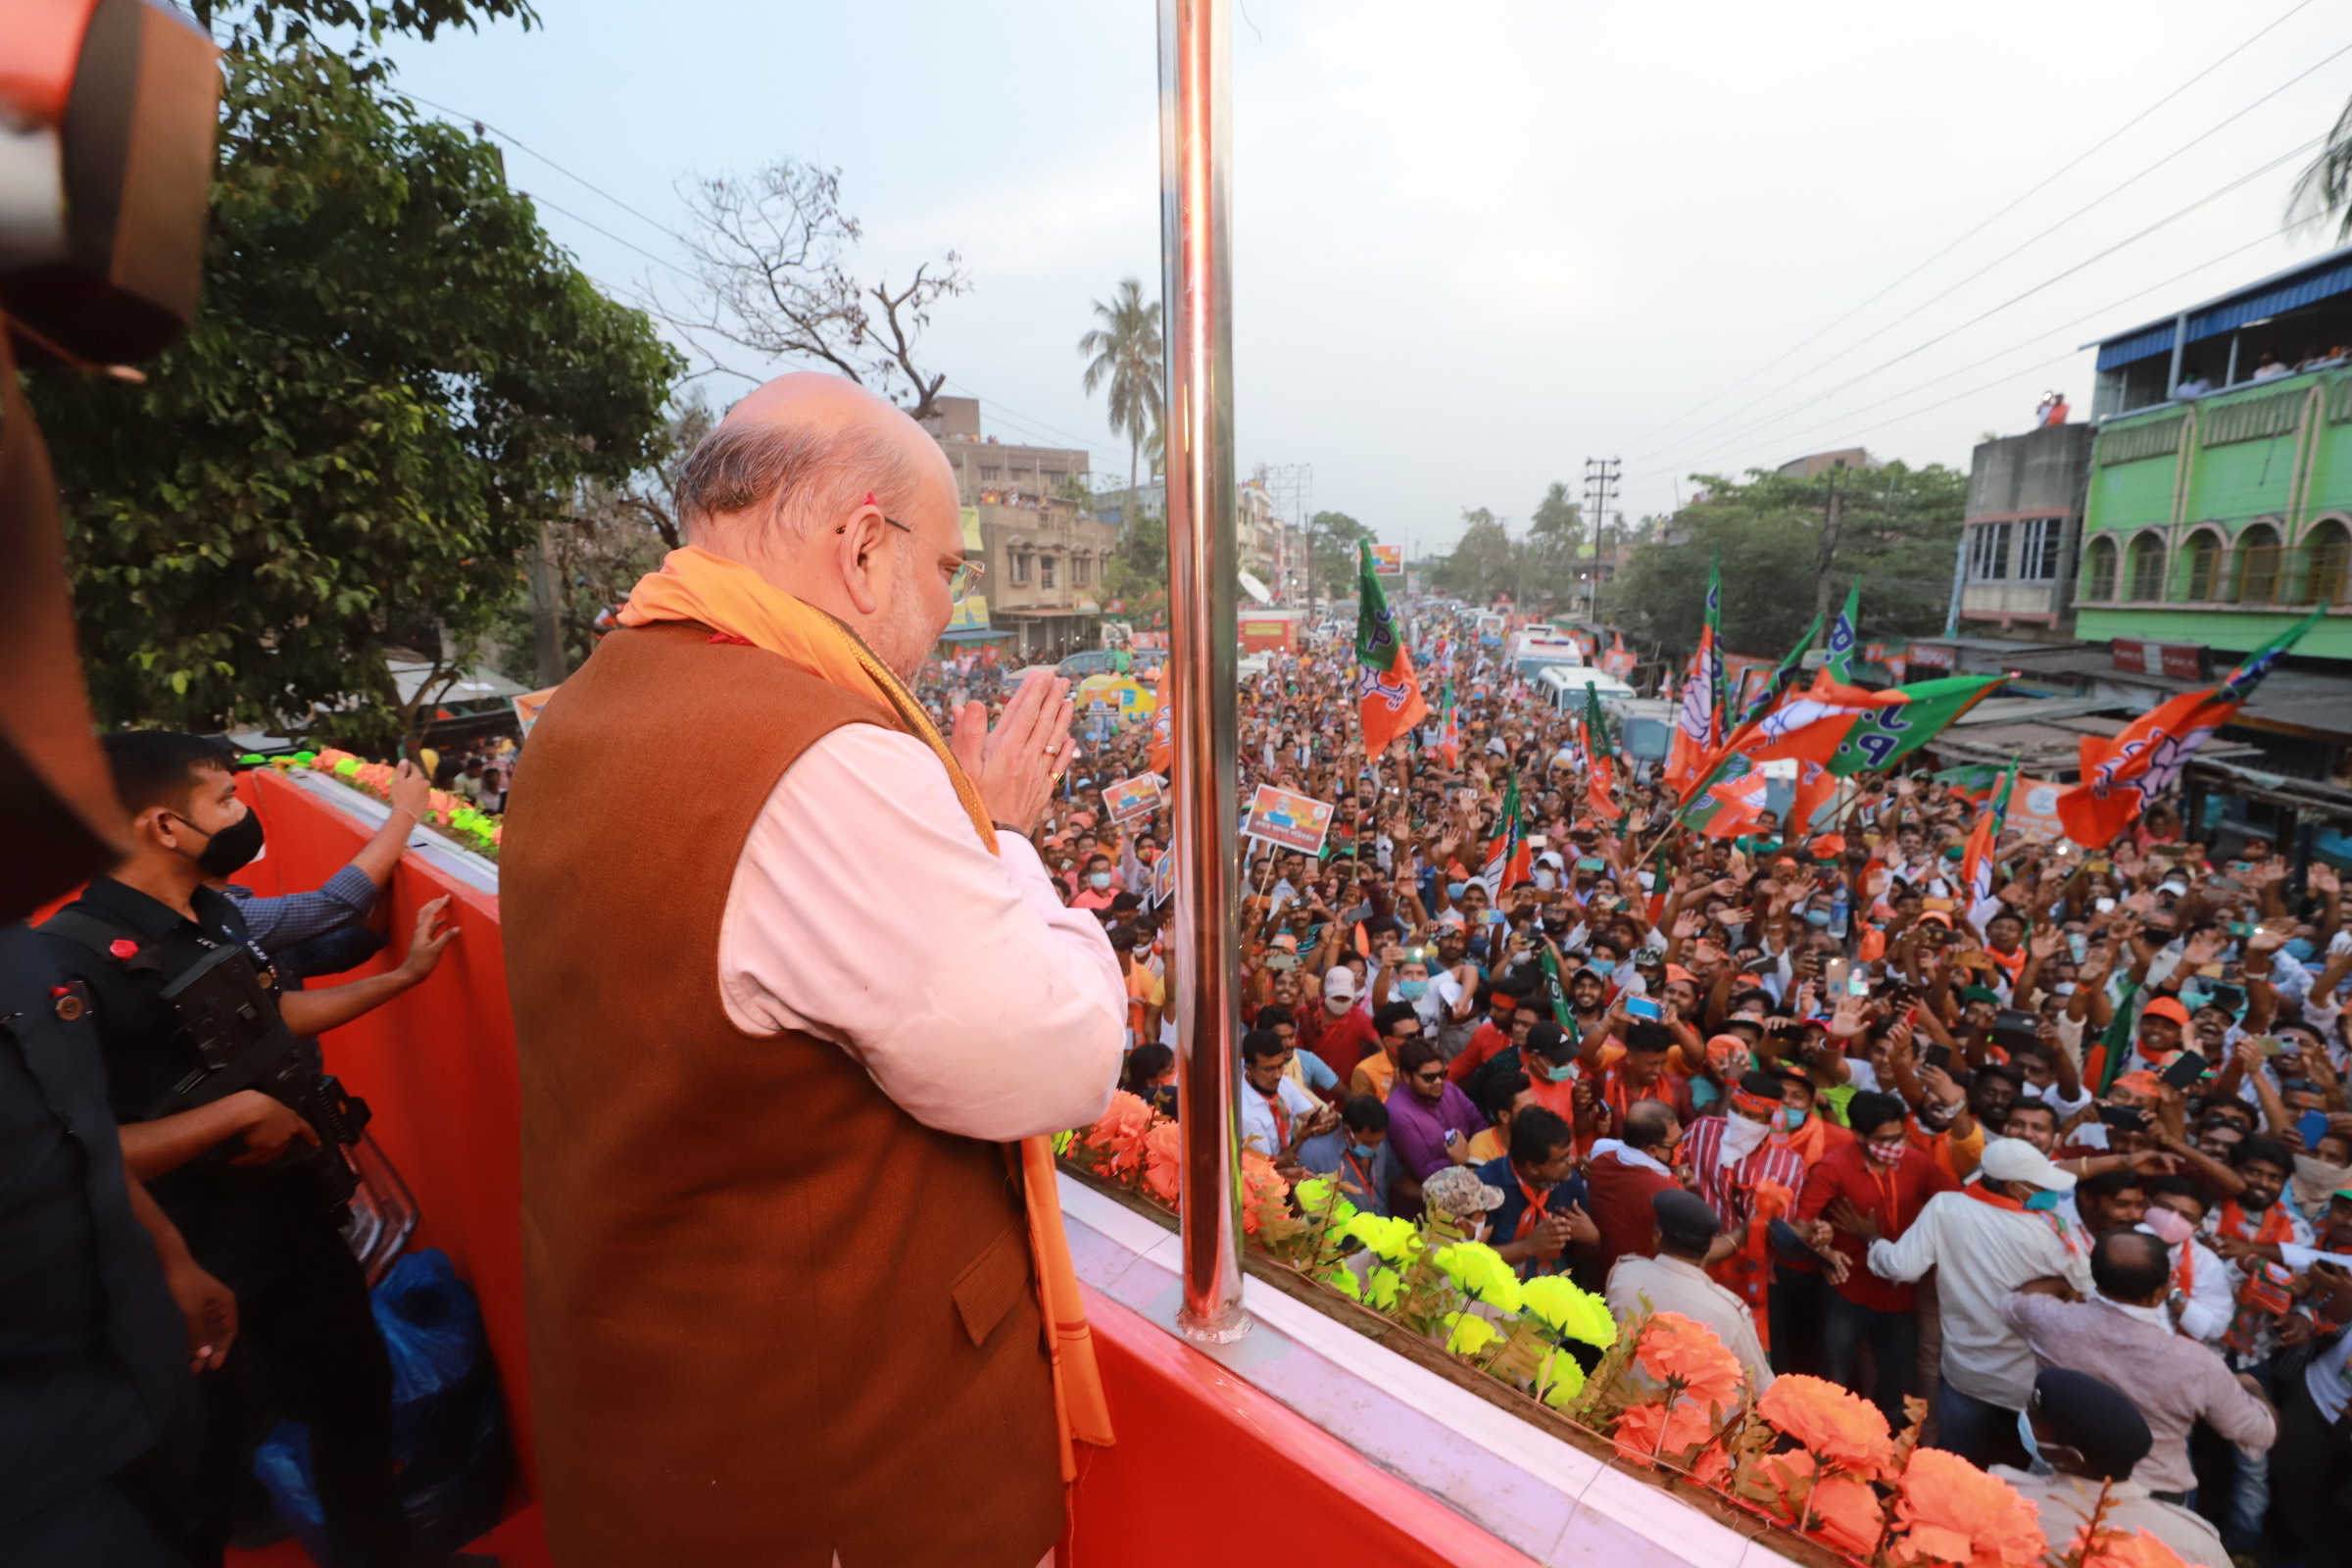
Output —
(1998, 261)
(1757, 427)
(2044, 183)
(2013, 348)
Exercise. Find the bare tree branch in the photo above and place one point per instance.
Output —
(773, 255)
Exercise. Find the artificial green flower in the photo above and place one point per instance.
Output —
(1566, 1309)
(1380, 1288)
(1393, 1239)
(1342, 1280)
(1467, 1334)
(1481, 1273)
(1561, 1378)
(1317, 1192)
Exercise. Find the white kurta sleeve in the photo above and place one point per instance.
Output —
(866, 910)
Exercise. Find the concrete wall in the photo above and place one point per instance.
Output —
(2039, 474)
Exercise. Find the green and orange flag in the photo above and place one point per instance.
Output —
(1387, 693)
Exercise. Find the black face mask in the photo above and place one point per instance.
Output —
(234, 848)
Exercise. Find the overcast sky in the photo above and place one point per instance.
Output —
(1476, 244)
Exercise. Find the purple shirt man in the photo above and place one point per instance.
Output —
(1423, 1109)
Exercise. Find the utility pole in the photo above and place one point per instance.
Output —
(1600, 494)
(1833, 517)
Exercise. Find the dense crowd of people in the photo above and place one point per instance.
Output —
(2071, 1162)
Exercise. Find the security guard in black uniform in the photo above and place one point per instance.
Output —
(254, 1187)
(100, 1426)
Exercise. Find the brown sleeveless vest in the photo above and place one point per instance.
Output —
(772, 1314)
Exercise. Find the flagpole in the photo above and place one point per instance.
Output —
(1194, 142)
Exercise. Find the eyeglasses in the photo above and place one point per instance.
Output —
(963, 580)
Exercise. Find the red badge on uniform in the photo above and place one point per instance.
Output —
(123, 948)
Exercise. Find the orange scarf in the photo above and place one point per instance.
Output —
(731, 599)
(2274, 1226)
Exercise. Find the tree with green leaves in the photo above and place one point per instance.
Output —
(1556, 527)
(1125, 359)
(1484, 564)
(394, 379)
(1136, 572)
(1897, 529)
(1331, 541)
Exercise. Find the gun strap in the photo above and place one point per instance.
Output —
(243, 1072)
(99, 936)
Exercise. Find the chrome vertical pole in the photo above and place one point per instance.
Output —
(1204, 681)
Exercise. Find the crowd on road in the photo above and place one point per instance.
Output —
(2066, 1156)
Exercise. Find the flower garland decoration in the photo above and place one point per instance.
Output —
(1664, 1391)
(475, 829)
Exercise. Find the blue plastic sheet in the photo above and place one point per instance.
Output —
(449, 1425)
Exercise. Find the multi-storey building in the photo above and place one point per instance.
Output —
(1036, 534)
(2021, 531)
(2220, 499)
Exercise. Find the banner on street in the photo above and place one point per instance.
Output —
(1291, 821)
(1132, 797)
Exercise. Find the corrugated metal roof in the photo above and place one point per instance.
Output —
(2288, 296)
(2278, 283)
(2157, 339)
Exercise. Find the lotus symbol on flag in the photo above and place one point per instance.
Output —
(1393, 690)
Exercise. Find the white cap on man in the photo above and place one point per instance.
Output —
(2013, 1159)
(1339, 984)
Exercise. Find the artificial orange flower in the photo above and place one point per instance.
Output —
(1118, 1138)
(1846, 1513)
(1260, 1186)
(1679, 1350)
(1712, 1467)
(1163, 1162)
(1951, 1512)
(1648, 1432)
(1841, 1429)
(2115, 1549)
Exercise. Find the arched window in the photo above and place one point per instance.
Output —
(2326, 554)
(2255, 572)
(2100, 586)
(2147, 568)
(2204, 567)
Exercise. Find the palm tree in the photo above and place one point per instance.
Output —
(1126, 353)
(2325, 191)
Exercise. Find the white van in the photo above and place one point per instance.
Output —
(1563, 686)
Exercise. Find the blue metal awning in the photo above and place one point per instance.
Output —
(973, 634)
(2157, 339)
(2306, 291)
(2322, 277)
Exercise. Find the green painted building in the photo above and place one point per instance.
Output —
(2219, 506)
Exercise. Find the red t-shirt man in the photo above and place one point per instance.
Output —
(1892, 1196)
(1340, 1041)
(1619, 1183)
(1487, 1041)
